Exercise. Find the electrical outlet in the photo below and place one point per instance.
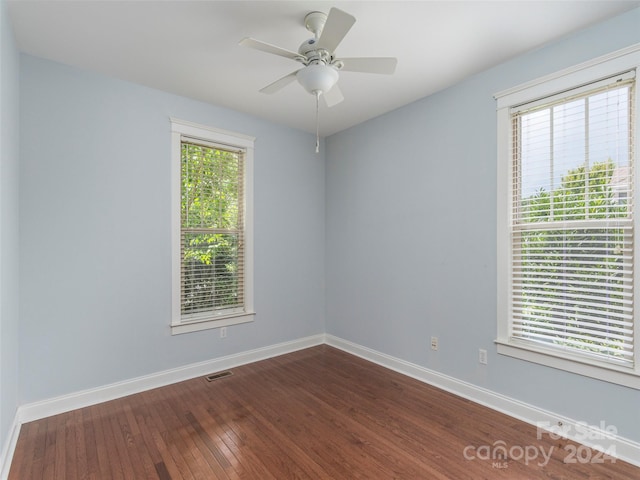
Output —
(223, 332)
(434, 343)
(482, 356)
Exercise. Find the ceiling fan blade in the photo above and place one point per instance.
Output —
(335, 28)
(280, 83)
(333, 96)
(267, 47)
(386, 65)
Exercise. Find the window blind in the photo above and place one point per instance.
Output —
(572, 228)
(212, 230)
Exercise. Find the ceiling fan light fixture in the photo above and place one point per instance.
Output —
(320, 72)
(317, 78)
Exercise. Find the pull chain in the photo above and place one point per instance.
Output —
(317, 92)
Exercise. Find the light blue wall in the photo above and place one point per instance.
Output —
(9, 115)
(411, 236)
(406, 202)
(95, 232)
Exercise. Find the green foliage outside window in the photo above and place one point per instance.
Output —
(584, 194)
(211, 216)
(573, 275)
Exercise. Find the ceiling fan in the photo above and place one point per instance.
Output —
(319, 73)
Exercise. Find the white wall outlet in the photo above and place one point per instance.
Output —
(482, 356)
(223, 332)
(434, 343)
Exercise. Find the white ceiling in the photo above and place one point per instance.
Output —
(191, 47)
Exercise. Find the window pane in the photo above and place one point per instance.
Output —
(574, 160)
(211, 234)
(535, 155)
(572, 288)
(211, 272)
(210, 187)
(609, 126)
(572, 236)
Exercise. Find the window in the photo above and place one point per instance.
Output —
(211, 218)
(566, 251)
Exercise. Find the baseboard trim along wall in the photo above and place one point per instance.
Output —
(9, 447)
(591, 436)
(65, 403)
(46, 408)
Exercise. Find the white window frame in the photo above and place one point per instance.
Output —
(569, 79)
(223, 138)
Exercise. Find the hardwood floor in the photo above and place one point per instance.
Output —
(314, 414)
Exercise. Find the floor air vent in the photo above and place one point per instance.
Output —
(217, 376)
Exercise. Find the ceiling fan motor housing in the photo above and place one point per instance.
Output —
(308, 46)
(309, 49)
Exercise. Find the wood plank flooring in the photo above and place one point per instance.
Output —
(314, 414)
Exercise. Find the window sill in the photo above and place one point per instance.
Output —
(223, 321)
(611, 373)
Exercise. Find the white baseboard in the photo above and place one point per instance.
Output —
(624, 449)
(591, 436)
(65, 403)
(9, 448)
(85, 398)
